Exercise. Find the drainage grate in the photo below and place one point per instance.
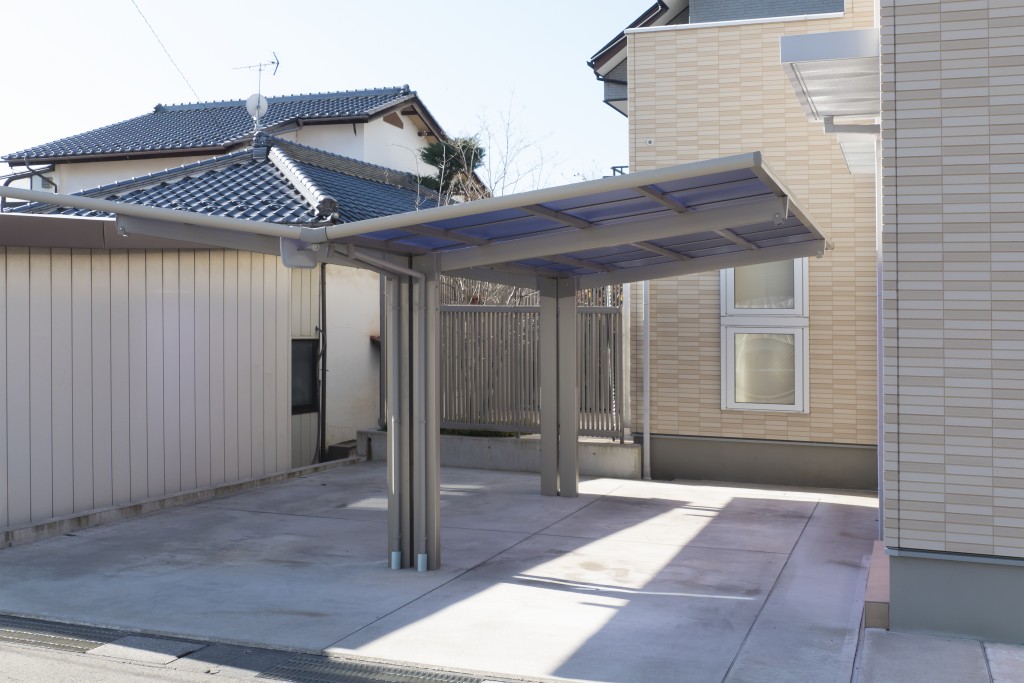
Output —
(315, 669)
(54, 635)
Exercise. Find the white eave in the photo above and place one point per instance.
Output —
(836, 77)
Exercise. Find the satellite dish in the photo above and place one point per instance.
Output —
(257, 106)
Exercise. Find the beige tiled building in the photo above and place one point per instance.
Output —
(937, 219)
(704, 90)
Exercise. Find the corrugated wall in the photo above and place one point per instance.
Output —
(704, 92)
(133, 375)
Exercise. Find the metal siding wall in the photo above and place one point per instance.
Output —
(305, 315)
(4, 497)
(123, 371)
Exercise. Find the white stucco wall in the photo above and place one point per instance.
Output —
(398, 148)
(353, 316)
(71, 178)
(344, 139)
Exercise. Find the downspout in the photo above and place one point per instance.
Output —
(29, 173)
(323, 362)
(647, 379)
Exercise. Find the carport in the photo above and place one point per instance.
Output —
(684, 219)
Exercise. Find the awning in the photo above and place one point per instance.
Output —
(701, 216)
(836, 77)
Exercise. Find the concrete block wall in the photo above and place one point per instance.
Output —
(703, 92)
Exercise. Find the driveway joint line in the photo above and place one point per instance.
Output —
(768, 597)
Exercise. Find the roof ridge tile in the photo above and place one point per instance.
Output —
(322, 202)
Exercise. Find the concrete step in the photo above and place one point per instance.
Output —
(876, 597)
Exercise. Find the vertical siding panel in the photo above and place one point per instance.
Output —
(81, 376)
(155, 371)
(102, 458)
(307, 309)
(270, 374)
(256, 337)
(244, 365)
(19, 380)
(232, 355)
(296, 440)
(201, 349)
(283, 415)
(296, 301)
(187, 374)
(120, 382)
(138, 374)
(172, 375)
(60, 321)
(39, 388)
(4, 499)
(217, 381)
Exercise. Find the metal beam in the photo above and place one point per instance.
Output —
(182, 232)
(736, 239)
(754, 212)
(662, 251)
(705, 263)
(156, 213)
(428, 231)
(579, 263)
(662, 198)
(560, 216)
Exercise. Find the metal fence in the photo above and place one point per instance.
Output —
(490, 369)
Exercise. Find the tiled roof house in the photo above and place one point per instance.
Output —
(137, 368)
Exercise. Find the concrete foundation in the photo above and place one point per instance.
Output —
(948, 594)
(598, 458)
(751, 461)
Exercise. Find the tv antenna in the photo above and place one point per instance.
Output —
(257, 104)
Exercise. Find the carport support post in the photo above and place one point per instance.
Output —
(432, 354)
(568, 391)
(559, 466)
(548, 387)
(396, 406)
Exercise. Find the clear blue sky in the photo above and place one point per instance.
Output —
(72, 66)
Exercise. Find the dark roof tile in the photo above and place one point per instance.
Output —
(251, 186)
(211, 125)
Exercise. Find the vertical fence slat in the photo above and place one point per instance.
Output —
(491, 375)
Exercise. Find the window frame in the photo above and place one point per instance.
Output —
(801, 380)
(314, 407)
(794, 321)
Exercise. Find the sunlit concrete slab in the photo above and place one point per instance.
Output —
(905, 657)
(629, 581)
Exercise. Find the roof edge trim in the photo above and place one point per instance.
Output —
(736, 22)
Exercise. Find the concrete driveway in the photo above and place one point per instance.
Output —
(632, 581)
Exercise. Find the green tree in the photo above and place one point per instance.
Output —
(456, 161)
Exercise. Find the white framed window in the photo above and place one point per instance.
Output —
(765, 360)
(765, 368)
(771, 289)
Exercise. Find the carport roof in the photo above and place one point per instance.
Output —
(705, 215)
(697, 216)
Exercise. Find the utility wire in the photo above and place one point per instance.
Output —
(211, 117)
(166, 52)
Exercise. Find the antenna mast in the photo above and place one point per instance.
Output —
(257, 104)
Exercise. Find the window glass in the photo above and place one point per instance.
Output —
(304, 384)
(765, 368)
(764, 286)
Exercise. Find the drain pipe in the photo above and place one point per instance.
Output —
(647, 379)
